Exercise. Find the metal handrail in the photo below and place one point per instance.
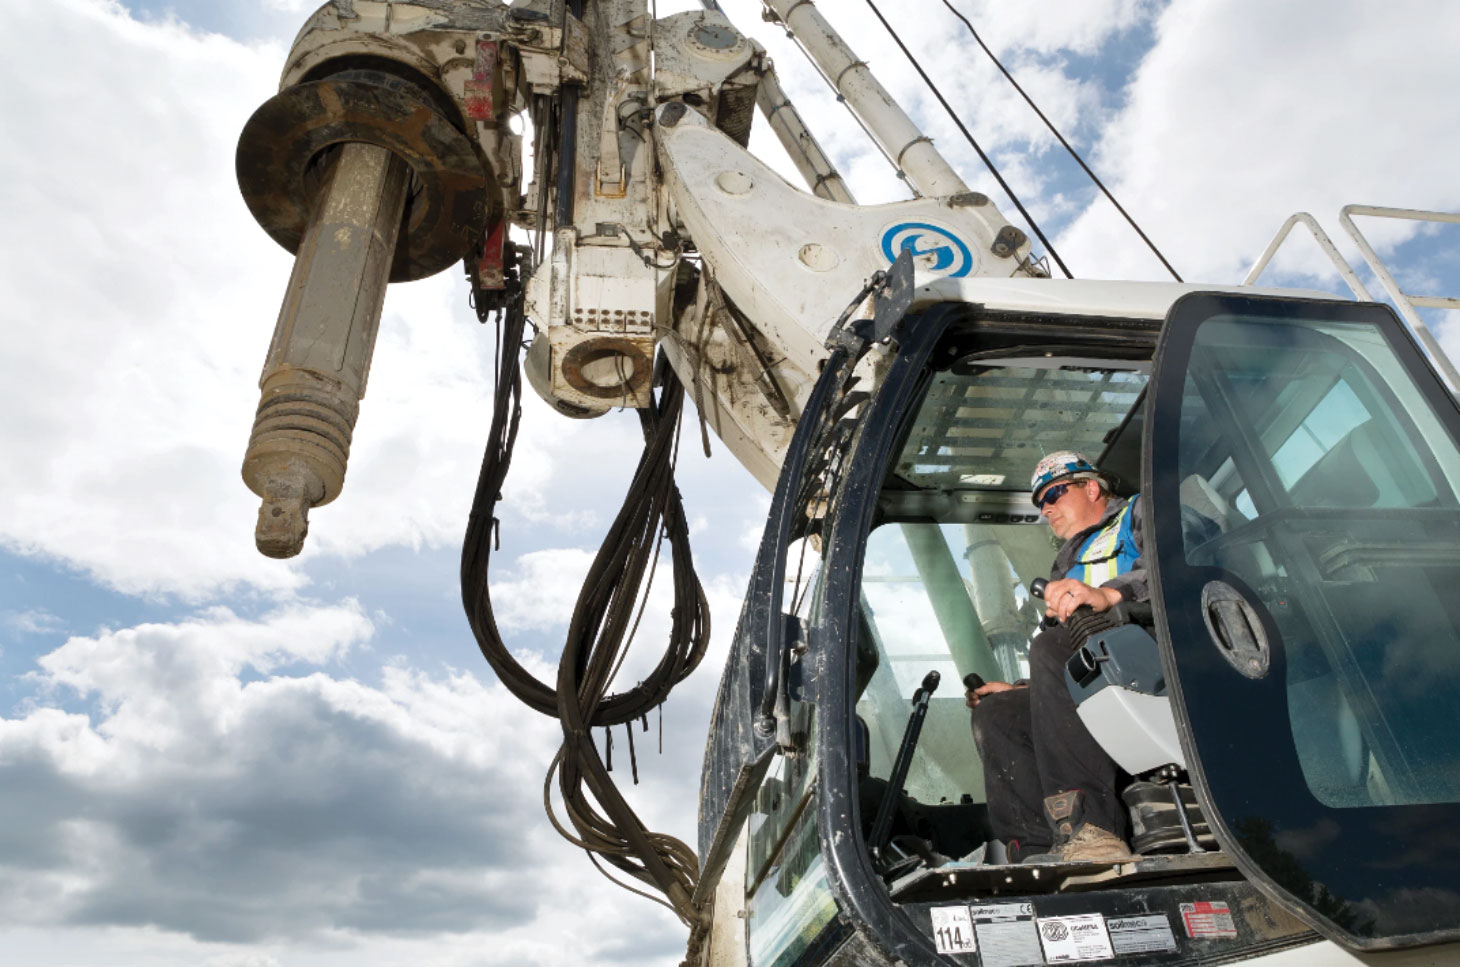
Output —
(1405, 302)
(1324, 242)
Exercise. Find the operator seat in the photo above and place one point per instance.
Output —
(1119, 689)
(1115, 675)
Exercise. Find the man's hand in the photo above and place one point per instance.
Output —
(1062, 597)
(971, 697)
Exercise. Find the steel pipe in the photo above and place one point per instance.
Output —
(801, 146)
(895, 133)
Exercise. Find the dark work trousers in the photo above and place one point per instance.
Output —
(1033, 745)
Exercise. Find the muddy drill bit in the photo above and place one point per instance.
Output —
(315, 373)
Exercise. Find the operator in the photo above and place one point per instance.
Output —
(1051, 788)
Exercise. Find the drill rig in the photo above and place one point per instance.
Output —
(890, 372)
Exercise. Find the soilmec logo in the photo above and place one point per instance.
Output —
(936, 249)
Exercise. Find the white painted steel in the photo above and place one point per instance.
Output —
(804, 150)
(1079, 297)
(754, 228)
(1327, 954)
(895, 133)
(1402, 300)
(1324, 242)
(1434, 301)
(728, 945)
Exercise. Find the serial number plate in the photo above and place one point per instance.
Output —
(953, 930)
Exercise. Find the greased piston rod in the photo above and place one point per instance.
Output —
(315, 373)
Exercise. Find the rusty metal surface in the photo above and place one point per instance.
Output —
(491, 266)
(284, 137)
(639, 366)
(735, 111)
(319, 360)
(480, 89)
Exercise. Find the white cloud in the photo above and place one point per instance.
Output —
(32, 621)
(754, 524)
(230, 796)
(1244, 113)
(1239, 115)
(228, 789)
(1035, 43)
(539, 592)
(140, 308)
(128, 306)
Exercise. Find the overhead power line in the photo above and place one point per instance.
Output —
(1061, 138)
(988, 162)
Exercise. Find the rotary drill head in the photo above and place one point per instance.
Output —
(366, 181)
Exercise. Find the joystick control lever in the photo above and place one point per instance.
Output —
(1036, 588)
(882, 825)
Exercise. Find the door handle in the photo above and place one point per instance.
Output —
(1236, 628)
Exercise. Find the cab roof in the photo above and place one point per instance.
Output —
(1081, 297)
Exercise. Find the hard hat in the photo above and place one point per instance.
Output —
(1061, 465)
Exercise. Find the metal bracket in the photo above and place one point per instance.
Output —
(892, 294)
(1008, 241)
(891, 302)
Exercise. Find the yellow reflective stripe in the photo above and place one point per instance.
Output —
(1103, 546)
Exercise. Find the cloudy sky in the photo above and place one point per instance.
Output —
(208, 757)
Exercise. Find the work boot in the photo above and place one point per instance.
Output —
(1091, 844)
(1016, 852)
(1076, 841)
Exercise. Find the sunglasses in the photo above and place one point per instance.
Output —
(1053, 494)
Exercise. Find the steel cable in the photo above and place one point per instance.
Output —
(1061, 138)
(988, 162)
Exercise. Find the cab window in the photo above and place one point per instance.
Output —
(946, 598)
(944, 582)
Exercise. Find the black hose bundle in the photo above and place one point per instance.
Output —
(602, 624)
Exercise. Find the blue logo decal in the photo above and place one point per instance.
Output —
(949, 255)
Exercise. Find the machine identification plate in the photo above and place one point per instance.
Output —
(1070, 939)
(953, 930)
(1006, 934)
(1141, 935)
(1208, 919)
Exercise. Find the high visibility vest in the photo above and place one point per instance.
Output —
(1109, 551)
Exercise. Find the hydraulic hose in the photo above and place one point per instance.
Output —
(603, 822)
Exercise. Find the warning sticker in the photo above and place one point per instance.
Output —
(1208, 919)
(1006, 934)
(1070, 939)
(1141, 935)
(953, 930)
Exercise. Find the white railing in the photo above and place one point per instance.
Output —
(1405, 302)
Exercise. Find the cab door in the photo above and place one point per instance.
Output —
(1303, 538)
